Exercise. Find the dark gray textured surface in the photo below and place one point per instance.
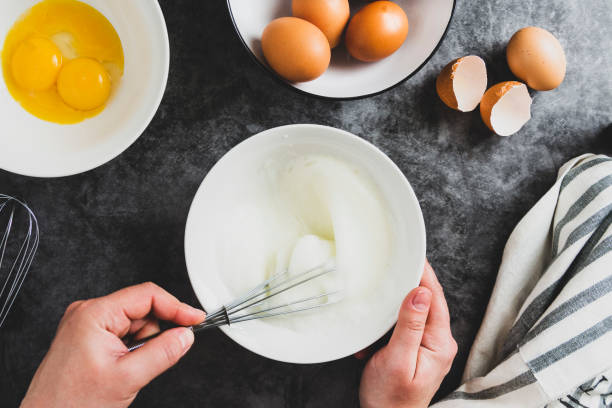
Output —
(123, 223)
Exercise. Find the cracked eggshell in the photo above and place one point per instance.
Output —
(506, 107)
(462, 83)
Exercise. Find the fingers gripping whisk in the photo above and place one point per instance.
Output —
(18, 245)
(255, 303)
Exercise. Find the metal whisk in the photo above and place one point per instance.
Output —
(252, 305)
(17, 249)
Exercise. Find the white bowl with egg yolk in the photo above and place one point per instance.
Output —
(33, 147)
(223, 240)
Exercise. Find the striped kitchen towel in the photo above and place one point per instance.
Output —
(546, 339)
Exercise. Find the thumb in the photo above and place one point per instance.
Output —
(405, 342)
(157, 355)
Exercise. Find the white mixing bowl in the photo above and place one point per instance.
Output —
(221, 186)
(34, 147)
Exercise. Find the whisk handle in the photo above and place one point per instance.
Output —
(139, 343)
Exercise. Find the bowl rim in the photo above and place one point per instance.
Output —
(278, 78)
(421, 230)
(121, 147)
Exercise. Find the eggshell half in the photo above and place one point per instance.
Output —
(506, 107)
(462, 83)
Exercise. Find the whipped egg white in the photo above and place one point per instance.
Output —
(303, 211)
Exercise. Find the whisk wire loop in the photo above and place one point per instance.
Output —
(18, 267)
(268, 294)
(277, 284)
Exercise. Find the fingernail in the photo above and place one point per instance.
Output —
(186, 339)
(421, 299)
(195, 310)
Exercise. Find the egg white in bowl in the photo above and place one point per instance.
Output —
(227, 238)
(34, 147)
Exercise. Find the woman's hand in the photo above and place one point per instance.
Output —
(88, 365)
(408, 371)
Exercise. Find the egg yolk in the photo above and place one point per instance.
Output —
(84, 84)
(36, 64)
(61, 60)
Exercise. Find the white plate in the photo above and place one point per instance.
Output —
(347, 78)
(34, 147)
(220, 187)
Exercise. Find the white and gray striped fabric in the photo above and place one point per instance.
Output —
(546, 339)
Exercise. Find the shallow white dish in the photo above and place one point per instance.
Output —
(33, 147)
(347, 78)
(220, 186)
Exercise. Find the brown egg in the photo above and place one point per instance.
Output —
(296, 49)
(536, 57)
(329, 15)
(376, 31)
